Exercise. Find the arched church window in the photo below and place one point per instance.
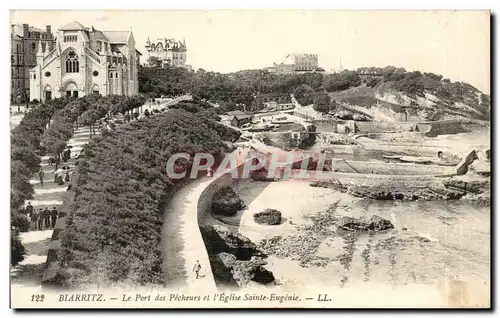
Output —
(72, 64)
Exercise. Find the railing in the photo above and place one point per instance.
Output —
(50, 56)
(93, 54)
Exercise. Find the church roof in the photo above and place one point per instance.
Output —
(73, 26)
(98, 35)
(116, 36)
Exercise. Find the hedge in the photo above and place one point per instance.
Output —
(121, 189)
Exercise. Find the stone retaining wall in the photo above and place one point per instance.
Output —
(368, 167)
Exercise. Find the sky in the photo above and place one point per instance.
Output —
(455, 44)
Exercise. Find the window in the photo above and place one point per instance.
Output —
(70, 38)
(34, 76)
(47, 74)
(110, 74)
(72, 64)
(12, 59)
(116, 74)
(33, 47)
(95, 73)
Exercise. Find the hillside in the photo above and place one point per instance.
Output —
(392, 94)
(381, 94)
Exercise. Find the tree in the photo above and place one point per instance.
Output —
(154, 61)
(323, 103)
(304, 94)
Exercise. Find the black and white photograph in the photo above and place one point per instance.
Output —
(334, 159)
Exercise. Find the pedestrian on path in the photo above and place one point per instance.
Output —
(197, 268)
(41, 174)
(29, 210)
(34, 218)
(40, 218)
(66, 177)
(54, 214)
(46, 217)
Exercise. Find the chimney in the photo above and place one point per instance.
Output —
(49, 31)
(26, 30)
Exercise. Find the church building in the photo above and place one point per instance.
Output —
(86, 61)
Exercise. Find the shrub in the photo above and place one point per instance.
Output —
(323, 103)
(304, 95)
(17, 251)
(341, 81)
(121, 190)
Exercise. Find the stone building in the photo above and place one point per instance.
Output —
(25, 40)
(86, 61)
(296, 63)
(306, 62)
(169, 52)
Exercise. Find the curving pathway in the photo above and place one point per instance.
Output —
(183, 244)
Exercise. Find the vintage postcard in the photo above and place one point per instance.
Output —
(250, 159)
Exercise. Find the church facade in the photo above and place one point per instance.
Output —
(86, 61)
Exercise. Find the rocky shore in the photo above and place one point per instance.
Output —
(460, 187)
(235, 260)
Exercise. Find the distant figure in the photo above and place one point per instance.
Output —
(66, 177)
(41, 174)
(146, 113)
(34, 218)
(29, 210)
(196, 269)
(46, 217)
(40, 219)
(440, 154)
(54, 214)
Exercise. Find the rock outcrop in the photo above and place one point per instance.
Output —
(219, 239)
(226, 202)
(238, 272)
(268, 216)
(235, 260)
(375, 223)
(467, 160)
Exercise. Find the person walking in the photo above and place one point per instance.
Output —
(46, 217)
(41, 174)
(34, 218)
(40, 219)
(66, 177)
(197, 268)
(29, 210)
(54, 214)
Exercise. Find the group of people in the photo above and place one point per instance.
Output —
(62, 175)
(42, 218)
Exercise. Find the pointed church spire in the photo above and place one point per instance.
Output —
(40, 50)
